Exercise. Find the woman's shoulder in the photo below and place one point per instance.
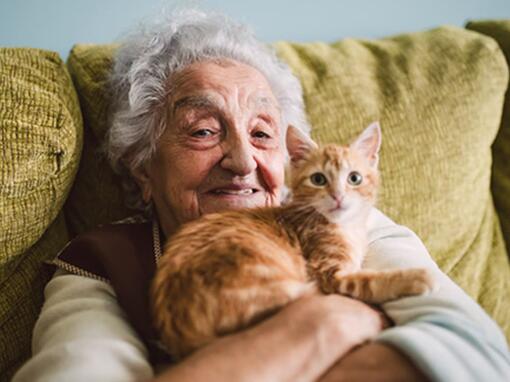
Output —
(137, 224)
(94, 253)
(132, 229)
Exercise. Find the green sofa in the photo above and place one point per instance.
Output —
(445, 159)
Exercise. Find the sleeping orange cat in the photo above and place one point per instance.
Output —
(228, 270)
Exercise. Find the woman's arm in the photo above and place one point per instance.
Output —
(298, 344)
(83, 335)
(445, 334)
(374, 362)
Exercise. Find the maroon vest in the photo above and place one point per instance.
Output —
(122, 255)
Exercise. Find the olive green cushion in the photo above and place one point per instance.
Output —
(96, 196)
(500, 31)
(21, 298)
(41, 138)
(438, 95)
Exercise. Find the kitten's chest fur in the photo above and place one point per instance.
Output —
(356, 239)
(314, 232)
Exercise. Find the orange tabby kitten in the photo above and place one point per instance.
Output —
(227, 270)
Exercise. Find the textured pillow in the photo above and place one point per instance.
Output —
(500, 31)
(21, 298)
(40, 135)
(438, 95)
(96, 196)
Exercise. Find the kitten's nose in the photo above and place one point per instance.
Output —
(338, 199)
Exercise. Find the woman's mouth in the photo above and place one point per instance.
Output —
(226, 198)
(237, 192)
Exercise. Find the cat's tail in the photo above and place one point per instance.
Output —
(381, 286)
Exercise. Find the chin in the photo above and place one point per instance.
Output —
(340, 215)
(210, 203)
(335, 216)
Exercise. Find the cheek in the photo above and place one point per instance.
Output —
(271, 165)
(355, 199)
(191, 168)
(179, 174)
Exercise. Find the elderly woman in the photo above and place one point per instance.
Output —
(202, 110)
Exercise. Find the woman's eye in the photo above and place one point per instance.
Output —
(261, 134)
(203, 133)
(318, 179)
(355, 178)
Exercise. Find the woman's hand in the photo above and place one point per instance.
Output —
(351, 321)
(345, 322)
(299, 343)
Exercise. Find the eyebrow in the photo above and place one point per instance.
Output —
(202, 102)
(205, 102)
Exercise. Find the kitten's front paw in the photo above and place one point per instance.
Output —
(422, 281)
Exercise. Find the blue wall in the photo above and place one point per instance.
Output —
(58, 24)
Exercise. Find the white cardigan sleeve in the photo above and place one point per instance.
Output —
(83, 335)
(446, 334)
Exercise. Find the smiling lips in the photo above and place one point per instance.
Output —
(233, 189)
(223, 191)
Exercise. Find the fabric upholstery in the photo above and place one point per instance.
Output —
(41, 139)
(21, 298)
(438, 96)
(96, 196)
(500, 31)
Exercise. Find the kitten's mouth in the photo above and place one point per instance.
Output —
(340, 206)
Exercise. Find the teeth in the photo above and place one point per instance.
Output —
(247, 191)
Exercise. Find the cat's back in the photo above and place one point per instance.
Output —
(234, 239)
(226, 223)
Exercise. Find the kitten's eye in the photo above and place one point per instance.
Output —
(318, 179)
(355, 178)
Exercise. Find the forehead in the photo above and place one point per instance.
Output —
(209, 79)
(334, 156)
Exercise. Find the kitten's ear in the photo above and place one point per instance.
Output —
(298, 144)
(369, 143)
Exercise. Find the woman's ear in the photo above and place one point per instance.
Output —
(298, 144)
(144, 182)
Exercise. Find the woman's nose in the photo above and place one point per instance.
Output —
(238, 155)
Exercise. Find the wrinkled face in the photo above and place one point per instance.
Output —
(222, 147)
